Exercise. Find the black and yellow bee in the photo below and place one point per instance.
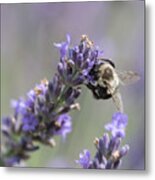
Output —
(107, 80)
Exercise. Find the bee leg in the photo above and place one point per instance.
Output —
(96, 95)
(90, 86)
(117, 99)
(100, 93)
(94, 91)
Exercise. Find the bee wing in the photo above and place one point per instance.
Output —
(117, 99)
(128, 77)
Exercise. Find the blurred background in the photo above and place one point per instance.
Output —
(28, 32)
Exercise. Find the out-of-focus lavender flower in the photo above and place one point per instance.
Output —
(13, 160)
(118, 124)
(109, 151)
(44, 112)
(84, 159)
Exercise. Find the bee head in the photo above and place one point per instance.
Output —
(106, 71)
(108, 74)
(102, 70)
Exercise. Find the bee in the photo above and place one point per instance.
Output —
(107, 79)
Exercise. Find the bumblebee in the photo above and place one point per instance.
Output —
(106, 80)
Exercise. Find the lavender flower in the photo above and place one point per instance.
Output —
(63, 46)
(109, 151)
(63, 124)
(29, 122)
(13, 160)
(43, 114)
(118, 124)
(84, 160)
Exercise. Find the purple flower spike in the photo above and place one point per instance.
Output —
(84, 159)
(63, 46)
(109, 151)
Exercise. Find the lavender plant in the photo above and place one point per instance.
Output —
(109, 151)
(43, 114)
